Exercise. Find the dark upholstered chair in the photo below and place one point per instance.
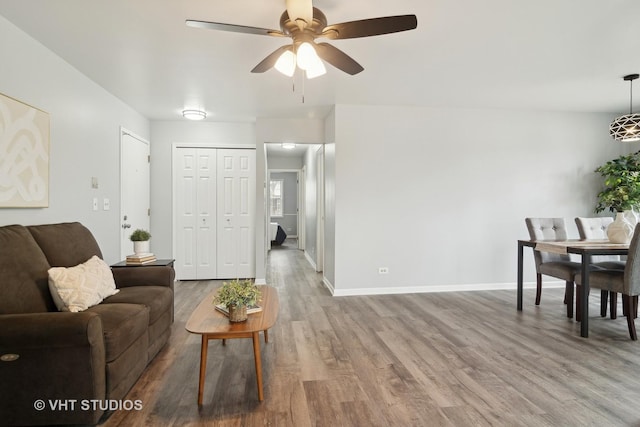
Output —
(549, 264)
(626, 282)
(596, 228)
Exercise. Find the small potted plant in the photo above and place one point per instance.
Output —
(236, 296)
(140, 239)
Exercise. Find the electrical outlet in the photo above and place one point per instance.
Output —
(106, 204)
(383, 270)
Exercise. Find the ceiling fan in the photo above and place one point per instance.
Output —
(304, 23)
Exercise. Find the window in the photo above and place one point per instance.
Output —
(277, 188)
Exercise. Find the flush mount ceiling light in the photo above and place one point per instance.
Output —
(194, 114)
(627, 128)
(288, 145)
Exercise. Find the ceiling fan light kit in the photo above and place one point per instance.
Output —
(194, 114)
(286, 63)
(627, 128)
(304, 23)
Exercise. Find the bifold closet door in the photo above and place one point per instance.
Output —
(236, 201)
(195, 210)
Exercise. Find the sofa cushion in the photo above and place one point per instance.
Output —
(159, 299)
(65, 244)
(78, 288)
(23, 268)
(122, 325)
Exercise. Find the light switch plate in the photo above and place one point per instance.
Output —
(95, 203)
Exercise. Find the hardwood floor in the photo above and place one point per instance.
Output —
(438, 359)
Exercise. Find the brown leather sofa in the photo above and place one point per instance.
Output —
(75, 365)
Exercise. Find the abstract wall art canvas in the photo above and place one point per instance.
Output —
(24, 155)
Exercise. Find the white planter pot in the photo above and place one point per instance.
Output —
(621, 229)
(141, 247)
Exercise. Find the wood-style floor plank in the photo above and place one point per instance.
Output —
(439, 359)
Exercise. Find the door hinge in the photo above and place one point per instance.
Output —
(148, 211)
(148, 158)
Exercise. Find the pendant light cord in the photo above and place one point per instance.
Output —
(631, 97)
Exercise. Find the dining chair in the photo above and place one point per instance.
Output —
(559, 266)
(626, 282)
(596, 228)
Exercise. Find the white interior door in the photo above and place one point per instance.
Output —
(135, 193)
(194, 210)
(236, 213)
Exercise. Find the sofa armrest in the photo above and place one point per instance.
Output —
(60, 356)
(151, 275)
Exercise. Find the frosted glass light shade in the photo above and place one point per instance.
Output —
(194, 114)
(317, 69)
(307, 56)
(286, 64)
(626, 128)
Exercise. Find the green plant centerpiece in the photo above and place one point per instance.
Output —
(621, 194)
(140, 235)
(140, 239)
(237, 295)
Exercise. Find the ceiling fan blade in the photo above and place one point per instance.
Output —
(371, 27)
(233, 28)
(300, 9)
(338, 58)
(268, 62)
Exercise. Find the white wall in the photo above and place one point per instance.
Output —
(278, 162)
(439, 196)
(329, 215)
(164, 135)
(85, 125)
(311, 204)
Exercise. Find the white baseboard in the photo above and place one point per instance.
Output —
(260, 281)
(439, 288)
(311, 261)
(329, 285)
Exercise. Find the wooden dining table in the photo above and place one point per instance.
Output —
(586, 249)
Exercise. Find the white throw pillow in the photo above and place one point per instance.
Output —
(83, 286)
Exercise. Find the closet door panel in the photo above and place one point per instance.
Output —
(236, 213)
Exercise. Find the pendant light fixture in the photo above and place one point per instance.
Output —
(627, 128)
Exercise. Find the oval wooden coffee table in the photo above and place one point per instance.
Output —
(212, 325)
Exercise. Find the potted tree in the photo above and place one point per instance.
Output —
(140, 239)
(621, 194)
(236, 296)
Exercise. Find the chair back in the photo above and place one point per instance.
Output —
(594, 229)
(547, 229)
(632, 270)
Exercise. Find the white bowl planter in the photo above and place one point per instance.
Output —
(141, 247)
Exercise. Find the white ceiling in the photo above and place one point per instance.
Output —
(567, 55)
